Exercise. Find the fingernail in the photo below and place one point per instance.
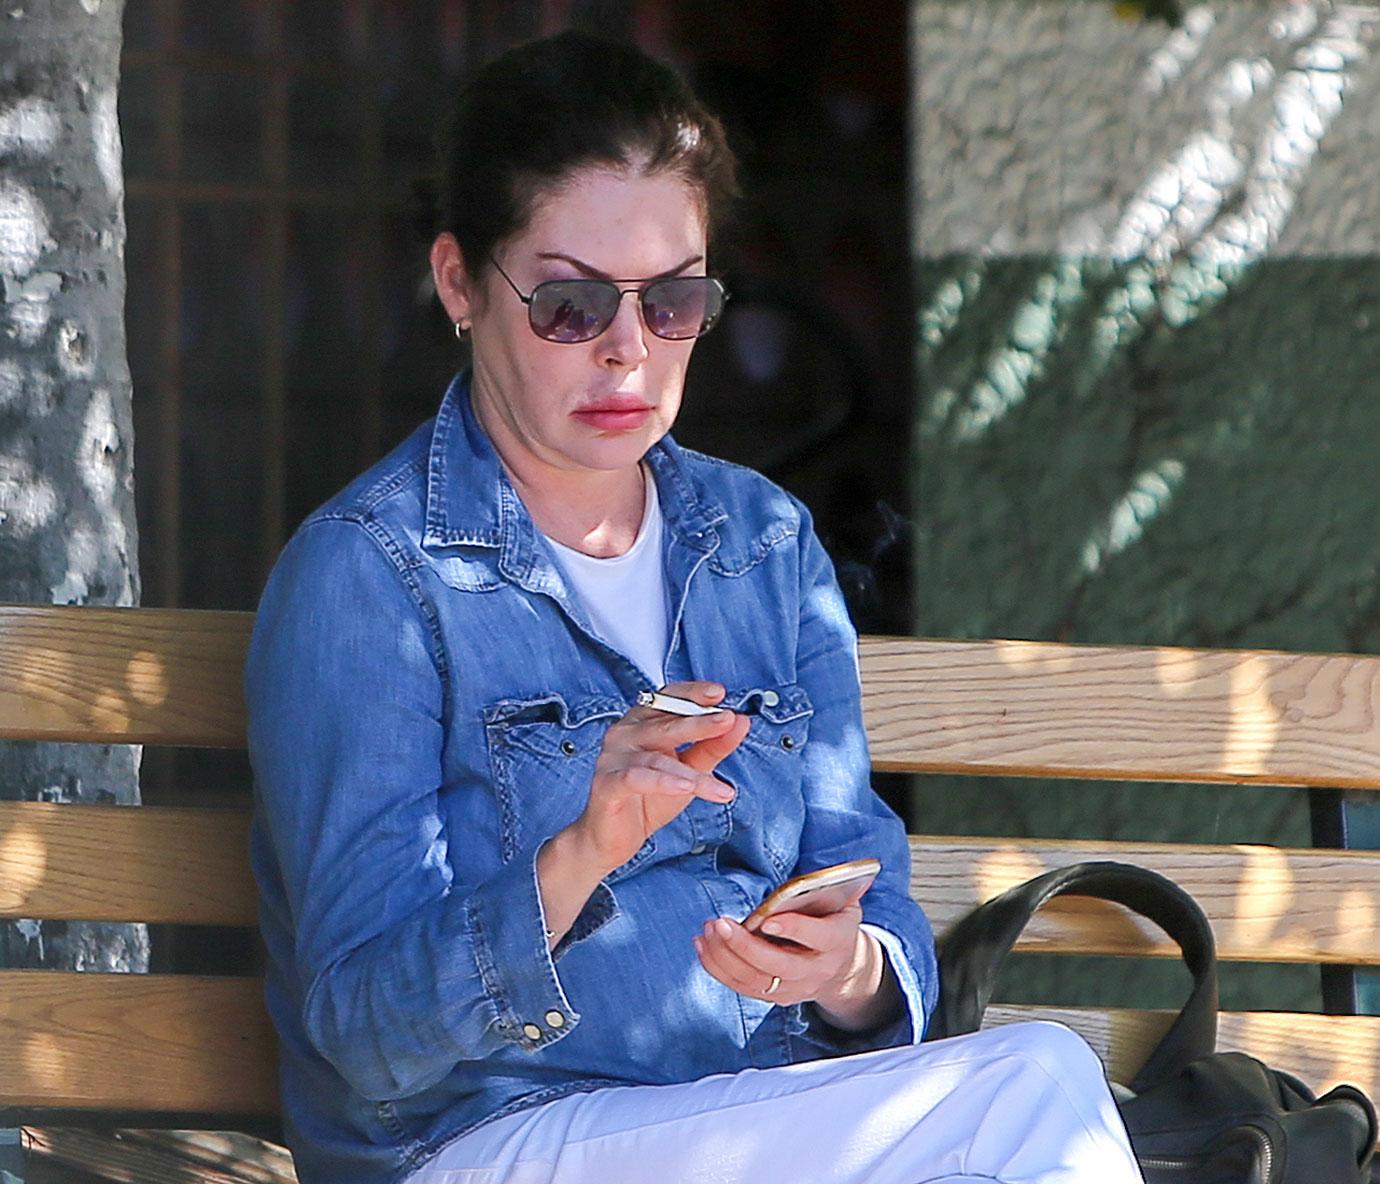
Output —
(773, 928)
(723, 928)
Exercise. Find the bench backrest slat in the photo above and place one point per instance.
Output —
(123, 675)
(1266, 904)
(1139, 713)
(181, 865)
(1119, 712)
(169, 864)
(169, 1043)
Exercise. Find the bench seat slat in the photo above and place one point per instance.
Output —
(163, 1157)
(171, 1043)
(1266, 904)
(1323, 1050)
(172, 864)
(123, 675)
(1122, 712)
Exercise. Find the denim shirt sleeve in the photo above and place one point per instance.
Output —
(400, 971)
(844, 817)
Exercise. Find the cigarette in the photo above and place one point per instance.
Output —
(672, 705)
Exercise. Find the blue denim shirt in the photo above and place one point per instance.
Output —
(426, 701)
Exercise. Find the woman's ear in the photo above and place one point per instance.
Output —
(453, 283)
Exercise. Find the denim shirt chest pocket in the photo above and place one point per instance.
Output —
(542, 754)
(768, 767)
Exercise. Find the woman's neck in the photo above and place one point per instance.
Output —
(595, 512)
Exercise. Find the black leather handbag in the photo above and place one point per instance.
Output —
(1195, 1116)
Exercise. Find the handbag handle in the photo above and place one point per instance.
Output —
(976, 947)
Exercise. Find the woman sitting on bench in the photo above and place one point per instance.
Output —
(501, 898)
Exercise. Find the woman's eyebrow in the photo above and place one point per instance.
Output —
(596, 274)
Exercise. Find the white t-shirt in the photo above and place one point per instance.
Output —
(625, 596)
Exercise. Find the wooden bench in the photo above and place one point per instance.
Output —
(84, 1050)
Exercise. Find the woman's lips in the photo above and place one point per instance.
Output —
(614, 417)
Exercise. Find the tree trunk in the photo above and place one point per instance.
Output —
(67, 528)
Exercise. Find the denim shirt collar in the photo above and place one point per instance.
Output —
(471, 502)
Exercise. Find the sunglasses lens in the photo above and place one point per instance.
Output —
(572, 310)
(682, 307)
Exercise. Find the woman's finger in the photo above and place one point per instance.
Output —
(647, 728)
(755, 956)
(702, 691)
(731, 972)
(670, 778)
(834, 931)
(705, 755)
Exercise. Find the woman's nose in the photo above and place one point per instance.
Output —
(624, 342)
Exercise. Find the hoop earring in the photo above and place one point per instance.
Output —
(460, 331)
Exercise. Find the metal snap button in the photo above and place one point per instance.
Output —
(531, 1031)
(568, 747)
(770, 698)
(555, 1019)
(787, 741)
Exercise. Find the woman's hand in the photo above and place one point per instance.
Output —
(832, 963)
(649, 768)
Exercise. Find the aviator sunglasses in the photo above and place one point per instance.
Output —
(570, 311)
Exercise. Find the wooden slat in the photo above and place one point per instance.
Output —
(122, 675)
(1266, 904)
(125, 863)
(1147, 714)
(163, 1157)
(1323, 1050)
(124, 1042)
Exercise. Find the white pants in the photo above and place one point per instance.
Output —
(1024, 1104)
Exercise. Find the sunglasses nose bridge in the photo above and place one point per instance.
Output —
(639, 313)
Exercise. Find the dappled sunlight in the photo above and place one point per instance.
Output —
(109, 711)
(1264, 895)
(1254, 725)
(1180, 49)
(147, 678)
(1357, 916)
(41, 671)
(996, 871)
(1178, 672)
(52, 1072)
(28, 502)
(941, 315)
(1009, 371)
(23, 862)
(1034, 656)
(1149, 496)
(1323, 1050)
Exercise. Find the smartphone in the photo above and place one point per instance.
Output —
(818, 893)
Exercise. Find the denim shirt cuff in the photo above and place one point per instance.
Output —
(913, 1022)
(516, 965)
(599, 910)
